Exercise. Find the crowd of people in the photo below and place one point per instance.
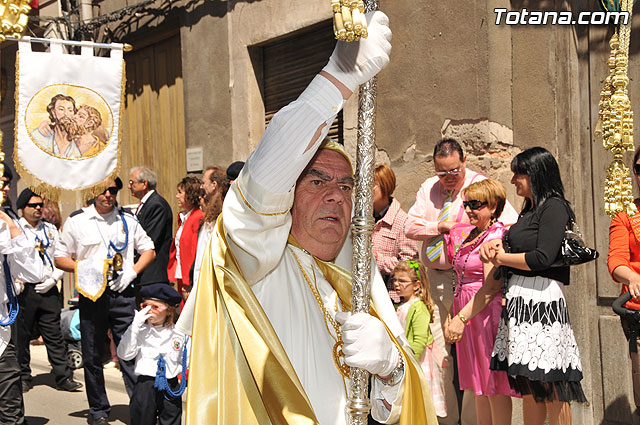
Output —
(468, 304)
(137, 309)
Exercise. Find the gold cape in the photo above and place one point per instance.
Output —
(240, 373)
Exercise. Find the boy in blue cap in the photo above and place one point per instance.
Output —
(159, 353)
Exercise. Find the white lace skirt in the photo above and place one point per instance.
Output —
(535, 341)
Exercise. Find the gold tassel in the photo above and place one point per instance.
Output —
(615, 122)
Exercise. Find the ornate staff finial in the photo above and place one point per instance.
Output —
(349, 23)
(615, 118)
(14, 16)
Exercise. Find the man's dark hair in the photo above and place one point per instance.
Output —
(544, 175)
(447, 147)
(52, 105)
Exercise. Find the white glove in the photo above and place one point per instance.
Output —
(367, 344)
(356, 63)
(123, 281)
(44, 287)
(140, 317)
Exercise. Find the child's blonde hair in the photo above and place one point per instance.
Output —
(417, 271)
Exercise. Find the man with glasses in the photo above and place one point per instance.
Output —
(103, 232)
(155, 216)
(437, 209)
(40, 301)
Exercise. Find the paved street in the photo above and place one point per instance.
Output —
(45, 405)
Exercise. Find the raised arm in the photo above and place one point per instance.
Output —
(255, 211)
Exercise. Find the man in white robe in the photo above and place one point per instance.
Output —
(287, 213)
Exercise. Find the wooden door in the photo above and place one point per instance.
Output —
(153, 131)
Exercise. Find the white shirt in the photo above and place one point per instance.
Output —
(25, 265)
(257, 232)
(144, 199)
(87, 234)
(48, 235)
(183, 220)
(147, 343)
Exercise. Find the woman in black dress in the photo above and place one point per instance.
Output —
(535, 343)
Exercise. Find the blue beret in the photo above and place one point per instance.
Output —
(161, 292)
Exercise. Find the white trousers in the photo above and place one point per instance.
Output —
(440, 285)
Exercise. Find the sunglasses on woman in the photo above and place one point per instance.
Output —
(112, 190)
(474, 204)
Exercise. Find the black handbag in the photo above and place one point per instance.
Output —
(573, 250)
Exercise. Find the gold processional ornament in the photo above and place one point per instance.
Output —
(14, 16)
(615, 121)
(349, 23)
(114, 264)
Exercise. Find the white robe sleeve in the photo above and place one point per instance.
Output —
(256, 209)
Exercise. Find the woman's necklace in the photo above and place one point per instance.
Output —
(476, 234)
(338, 355)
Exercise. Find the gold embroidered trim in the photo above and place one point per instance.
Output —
(253, 209)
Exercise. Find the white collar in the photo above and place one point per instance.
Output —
(93, 213)
(25, 224)
(145, 198)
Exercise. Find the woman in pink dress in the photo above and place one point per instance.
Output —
(477, 303)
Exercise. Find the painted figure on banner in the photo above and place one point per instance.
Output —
(69, 130)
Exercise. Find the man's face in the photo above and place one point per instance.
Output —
(32, 212)
(450, 170)
(64, 109)
(321, 211)
(106, 200)
(138, 189)
(207, 185)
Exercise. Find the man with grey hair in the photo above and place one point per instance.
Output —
(156, 218)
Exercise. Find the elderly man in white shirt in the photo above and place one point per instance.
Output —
(285, 221)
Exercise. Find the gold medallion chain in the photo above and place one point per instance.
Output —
(338, 355)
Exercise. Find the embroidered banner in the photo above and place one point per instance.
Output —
(67, 124)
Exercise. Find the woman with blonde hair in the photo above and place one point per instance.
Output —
(477, 302)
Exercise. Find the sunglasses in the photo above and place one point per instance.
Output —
(154, 307)
(36, 205)
(636, 169)
(112, 190)
(453, 172)
(474, 204)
